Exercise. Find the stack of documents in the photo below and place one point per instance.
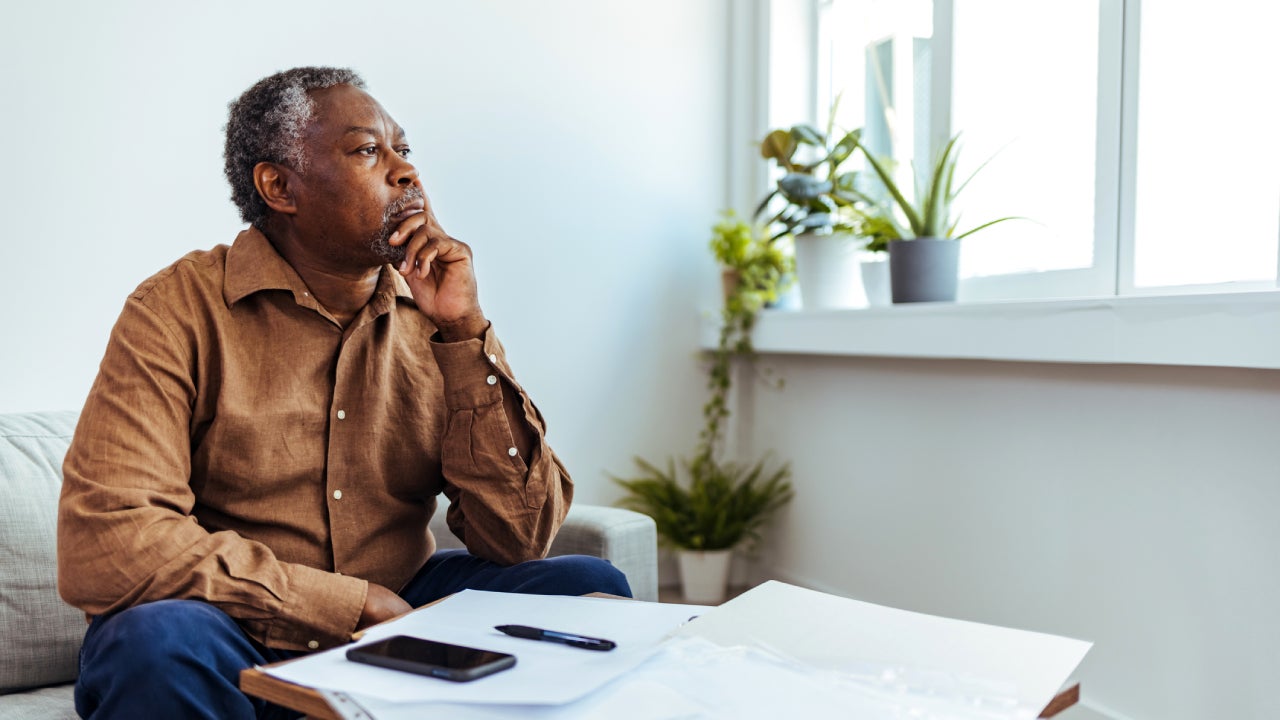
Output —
(545, 673)
(775, 651)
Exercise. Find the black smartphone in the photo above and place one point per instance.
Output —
(431, 658)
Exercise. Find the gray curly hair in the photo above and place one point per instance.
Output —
(266, 123)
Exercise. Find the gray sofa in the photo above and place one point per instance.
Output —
(40, 635)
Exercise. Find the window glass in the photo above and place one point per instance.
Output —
(876, 58)
(1024, 100)
(1207, 207)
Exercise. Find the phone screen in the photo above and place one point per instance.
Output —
(431, 652)
(433, 658)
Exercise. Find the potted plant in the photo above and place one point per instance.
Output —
(877, 232)
(924, 249)
(754, 269)
(706, 507)
(816, 203)
(705, 517)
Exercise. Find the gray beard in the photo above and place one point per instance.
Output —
(380, 242)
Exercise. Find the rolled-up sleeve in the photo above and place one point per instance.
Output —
(504, 507)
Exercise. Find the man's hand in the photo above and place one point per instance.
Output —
(441, 276)
(381, 605)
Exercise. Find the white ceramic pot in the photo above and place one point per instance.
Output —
(704, 575)
(827, 270)
(875, 279)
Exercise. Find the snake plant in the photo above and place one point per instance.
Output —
(931, 215)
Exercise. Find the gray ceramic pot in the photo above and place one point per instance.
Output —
(924, 270)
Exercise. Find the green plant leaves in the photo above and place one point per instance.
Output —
(844, 148)
(763, 269)
(815, 221)
(779, 146)
(817, 196)
(932, 215)
(720, 506)
(799, 187)
(834, 202)
(886, 179)
(808, 136)
(936, 202)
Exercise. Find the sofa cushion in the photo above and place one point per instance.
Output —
(51, 703)
(41, 634)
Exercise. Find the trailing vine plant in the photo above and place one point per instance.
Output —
(723, 503)
(758, 272)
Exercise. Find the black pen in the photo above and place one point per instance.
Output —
(578, 641)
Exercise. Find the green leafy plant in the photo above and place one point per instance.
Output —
(763, 270)
(878, 227)
(933, 214)
(722, 504)
(816, 194)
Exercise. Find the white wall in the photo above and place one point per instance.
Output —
(1133, 506)
(577, 145)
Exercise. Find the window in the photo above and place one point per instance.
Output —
(1139, 140)
(1208, 153)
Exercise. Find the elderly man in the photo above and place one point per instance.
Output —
(256, 464)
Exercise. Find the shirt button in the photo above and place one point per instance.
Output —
(313, 644)
(342, 414)
(512, 452)
(493, 359)
(492, 380)
(337, 494)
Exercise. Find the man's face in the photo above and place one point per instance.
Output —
(357, 186)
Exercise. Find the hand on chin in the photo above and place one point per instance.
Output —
(441, 275)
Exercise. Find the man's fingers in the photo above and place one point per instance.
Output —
(417, 241)
(445, 249)
(425, 220)
(425, 248)
(407, 227)
(424, 263)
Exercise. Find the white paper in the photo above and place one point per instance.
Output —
(545, 673)
(775, 651)
(695, 679)
(628, 699)
(934, 666)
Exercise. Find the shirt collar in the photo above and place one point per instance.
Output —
(254, 265)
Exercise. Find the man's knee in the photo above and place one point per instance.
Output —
(179, 658)
(582, 574)
(157, 633)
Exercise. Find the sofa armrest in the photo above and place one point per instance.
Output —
(625, 538)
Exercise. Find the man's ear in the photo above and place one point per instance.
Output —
(272, 182)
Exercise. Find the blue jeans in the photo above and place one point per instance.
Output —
(182, 658)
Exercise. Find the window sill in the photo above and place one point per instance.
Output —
(1219, 330)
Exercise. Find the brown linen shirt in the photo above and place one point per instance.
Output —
(240, 447)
